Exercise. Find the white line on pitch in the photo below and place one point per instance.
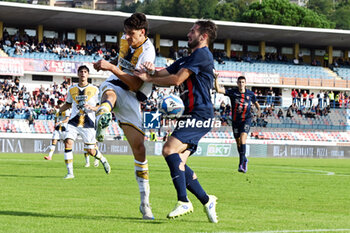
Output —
(298, 231)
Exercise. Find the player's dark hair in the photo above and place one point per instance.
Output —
(83, 67)
(240, 77)
(208, 27)
(59, 102)
(137, 21)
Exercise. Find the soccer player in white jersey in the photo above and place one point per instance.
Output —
(122, 93)
(61, 120)
(83, 99)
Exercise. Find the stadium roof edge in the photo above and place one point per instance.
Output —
(65, 19)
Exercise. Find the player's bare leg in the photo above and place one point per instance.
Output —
(93, 151)
(136, 141)
(52, 149)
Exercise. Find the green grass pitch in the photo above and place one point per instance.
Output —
(276, 195)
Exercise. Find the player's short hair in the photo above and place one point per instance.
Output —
(209, 27)
(83, 67)
(59, 102)
(137, 21)
(240, 78)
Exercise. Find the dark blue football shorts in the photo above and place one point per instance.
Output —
(189, 133)
(239, 127)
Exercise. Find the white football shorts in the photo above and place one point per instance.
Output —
(58, 135)
(127, 108)
(88, 135)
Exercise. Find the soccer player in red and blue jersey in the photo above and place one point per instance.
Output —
(241, 102)
(194, 75)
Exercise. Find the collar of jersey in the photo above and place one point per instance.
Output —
(83, 86)
(140, 44)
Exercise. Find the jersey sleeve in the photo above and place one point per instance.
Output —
(69, 99)
(148, 55)
(174, 68)
(97, 94)
(195, 62)
(228, 92)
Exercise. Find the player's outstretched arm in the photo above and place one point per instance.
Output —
(151, 70)
(65, 106)
(134, 83)
(166, 79)
(218, 87)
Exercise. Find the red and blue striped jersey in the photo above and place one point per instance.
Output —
(241, 103)
(195, 91)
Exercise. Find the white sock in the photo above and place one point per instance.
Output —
(52, 150)
(100, 157)
(142, 178)
(87, 158)
(68, 157)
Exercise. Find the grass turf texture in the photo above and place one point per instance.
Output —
(275, 194)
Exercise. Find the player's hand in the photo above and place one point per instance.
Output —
(148, 67)
(143, 75)
(89, 108)
(103, 65)
(58, 123)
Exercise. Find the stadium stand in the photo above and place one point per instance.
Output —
(31, 111)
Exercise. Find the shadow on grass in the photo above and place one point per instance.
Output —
(87, 217)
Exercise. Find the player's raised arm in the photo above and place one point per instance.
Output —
(218, 87)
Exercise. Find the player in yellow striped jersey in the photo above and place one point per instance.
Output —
(121, 94)
(82, 98)
(61, 119)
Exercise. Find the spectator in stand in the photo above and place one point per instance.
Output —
(331, 99)
(325, 99)
(325, 59)
(320, 96)
(311, 98)
(280, 113)
(290, 112)
(294, 96)
(305, 95)
(269, 97)
(337, 100)
(299, 98)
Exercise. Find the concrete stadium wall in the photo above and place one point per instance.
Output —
(115, 147)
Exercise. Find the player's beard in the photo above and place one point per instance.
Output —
(194, 43)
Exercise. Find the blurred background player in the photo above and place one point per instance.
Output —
(194, 74)
(122, 93)
(241, 102)
(82, 98)
(61, 119)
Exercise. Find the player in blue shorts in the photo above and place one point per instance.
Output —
(195, 77)
(241, 102)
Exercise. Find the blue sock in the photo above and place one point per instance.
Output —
(178, 176)
(242, 151)
(195, 187)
